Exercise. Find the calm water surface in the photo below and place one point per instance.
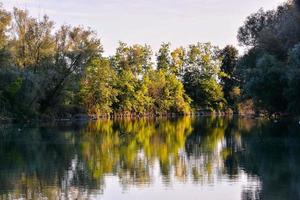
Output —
(204, 158)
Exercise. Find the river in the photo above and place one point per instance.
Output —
(183, 158)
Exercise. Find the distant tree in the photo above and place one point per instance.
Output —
(5, 19)
(97, 90)
(127, 85)
(143, 101)
(163, 57)
(274, 31)
(74, 47)
(131, 63)
(5, 23)
(135, 58)
(178, 61)
(167, 93)
(249, 33)
(33, 41)
(229, 78)
(200, 76)
(171, 62)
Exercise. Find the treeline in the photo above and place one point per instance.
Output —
(61, 72)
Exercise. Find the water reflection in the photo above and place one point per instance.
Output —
(191, 158)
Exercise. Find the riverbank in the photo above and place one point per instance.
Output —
(86, 117)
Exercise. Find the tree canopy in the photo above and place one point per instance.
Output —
(61, 71)
(269, 69)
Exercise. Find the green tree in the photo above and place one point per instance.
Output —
(249, 33)
(5, 23)
(178, 61)
(74, 48)
(127, 86)
(143, 102)
(200, 77)
(16, 84)
(5, 19)
(135, 58)
(268, 68)
(171, 61)
(266, 84)
(167, 93)
(97, 90)
(32, 41)
(131, 63)
(229, 79)
(163, 57)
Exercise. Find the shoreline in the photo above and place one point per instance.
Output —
(85, 117)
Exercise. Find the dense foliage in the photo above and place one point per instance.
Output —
(270, 68)
(61, 72)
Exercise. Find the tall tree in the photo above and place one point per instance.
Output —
(97, 91)
(5, 23)
(293, 91)
(229, 79)
(201, 76)
(167, 93)
(268, 68)
(178, 60)
(135, 58)
(163, 57)
(74, 48)
(266, 84)
(33, 41)
(131, 63)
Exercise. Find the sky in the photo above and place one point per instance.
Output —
(180, 22)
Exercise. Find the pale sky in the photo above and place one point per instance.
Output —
(180, 22)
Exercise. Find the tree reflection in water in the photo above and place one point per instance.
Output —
(73, 160)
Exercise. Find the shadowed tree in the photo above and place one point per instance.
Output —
(74, 47)
(229, 79)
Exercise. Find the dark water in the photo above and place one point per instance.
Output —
(206, 158)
